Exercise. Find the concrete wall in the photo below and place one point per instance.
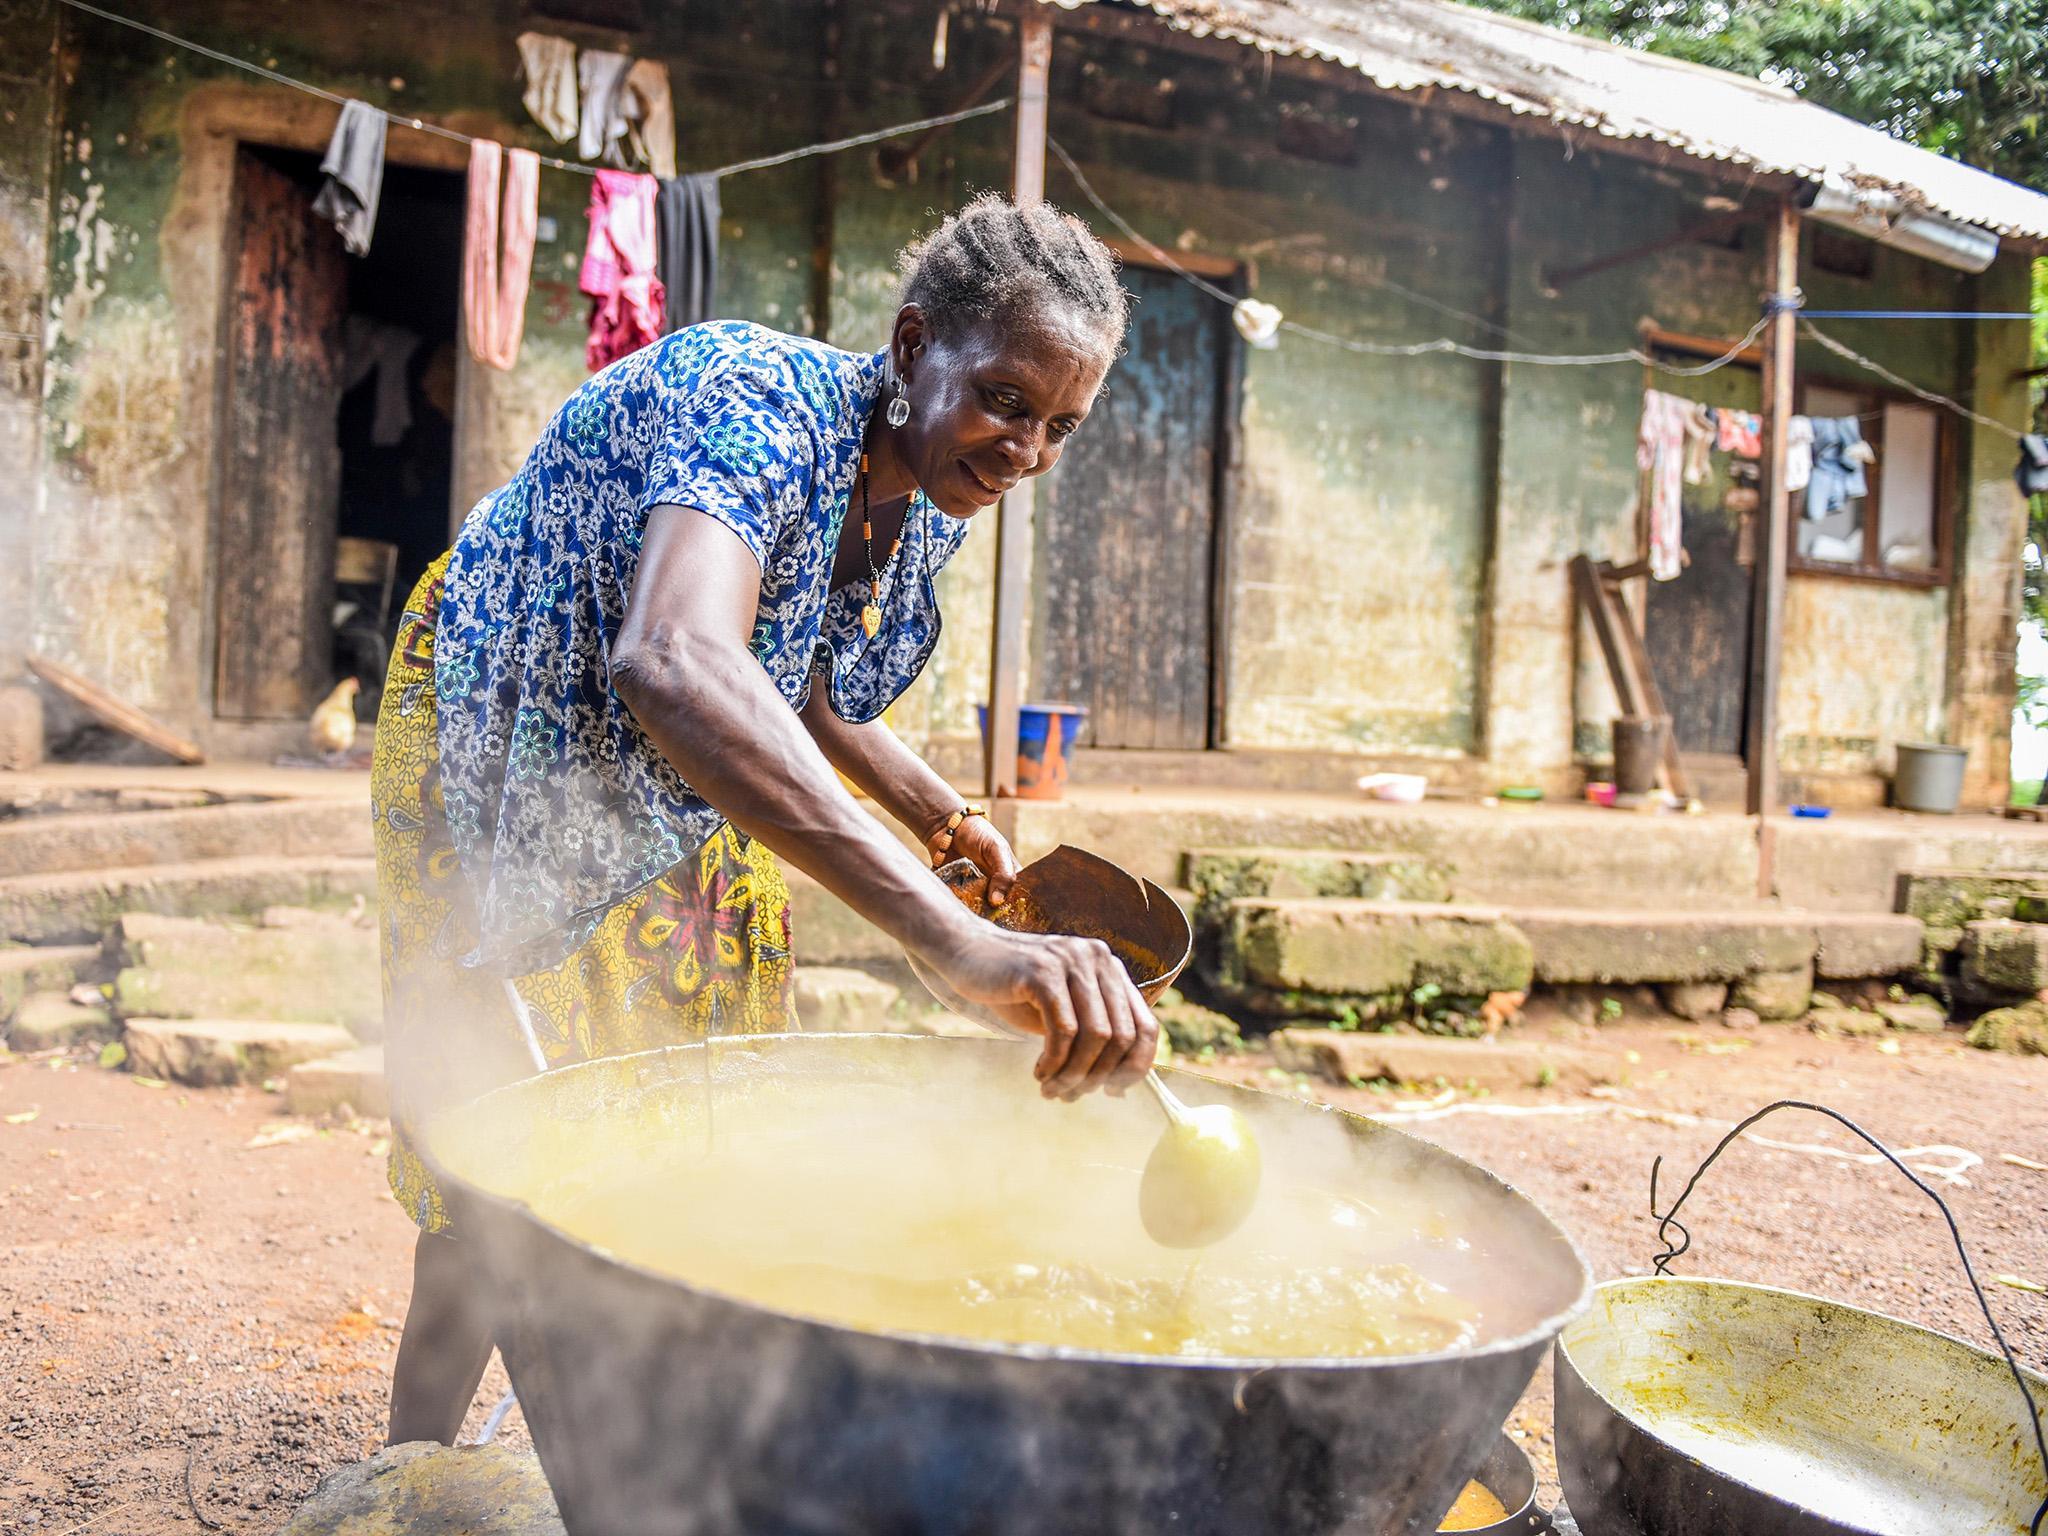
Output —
(1399, 528)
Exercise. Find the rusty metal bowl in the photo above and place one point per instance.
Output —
(659, 1406)
(1072, 891)
(1694, 1406)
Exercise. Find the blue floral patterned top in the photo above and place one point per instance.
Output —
(558, 804)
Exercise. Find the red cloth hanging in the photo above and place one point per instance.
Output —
(619, 267)
(494, 288)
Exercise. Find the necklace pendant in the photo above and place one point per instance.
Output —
(871, 619)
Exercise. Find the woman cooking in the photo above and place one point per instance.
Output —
(626, 689)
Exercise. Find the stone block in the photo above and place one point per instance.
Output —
(354, 1078)
(1694, 999)
(1299, 955)
(1851, 1023)
(48, 1021)
(1854, 945)
(1949, 898)
(1220, 875)
(1191, 1027)
(21, 728)
(209, 1053)
(2021, 1031)
(1615, 947)
(42, 968)
(1775, 995)
(2004, 957)
(1345, 1056)
(1916, 1016)
(832, 999)
(423, 1489)
(323, 970)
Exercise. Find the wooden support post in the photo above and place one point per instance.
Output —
(1013, 516)
(1767, 631)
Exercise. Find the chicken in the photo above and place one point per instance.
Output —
(332, 728)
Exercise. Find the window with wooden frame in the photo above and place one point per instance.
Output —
(1897, 529)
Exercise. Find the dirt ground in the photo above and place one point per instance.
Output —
(183, 1305)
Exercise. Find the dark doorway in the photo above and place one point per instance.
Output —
(1125, 547)
(339, 453)
(1696, 627)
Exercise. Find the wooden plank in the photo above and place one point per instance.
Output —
(280, 466)
(1767, 616)
(1593, 597)
(1014, 516)
(110, 711)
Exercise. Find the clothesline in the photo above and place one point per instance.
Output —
(1444, 344)
(421, 125)
(1441, 344)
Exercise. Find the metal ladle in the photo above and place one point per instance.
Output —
(1202, 1178)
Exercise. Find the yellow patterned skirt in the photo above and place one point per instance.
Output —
(703, 950)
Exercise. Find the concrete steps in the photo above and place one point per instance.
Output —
(1319, 955)
(82, 906)
(52, 844)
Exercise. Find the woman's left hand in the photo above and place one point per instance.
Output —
(976, 839)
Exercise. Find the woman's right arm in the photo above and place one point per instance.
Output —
(682, 665)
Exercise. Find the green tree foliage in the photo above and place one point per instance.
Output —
(1968, 78)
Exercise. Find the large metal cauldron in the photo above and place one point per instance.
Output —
(1693, 1407)
(662, 1409)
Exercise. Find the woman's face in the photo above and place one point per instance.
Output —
(993, 402)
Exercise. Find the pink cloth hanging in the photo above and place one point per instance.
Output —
(494, 288)
(1660, 454)
(619, 266)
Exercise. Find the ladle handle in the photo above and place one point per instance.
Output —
(1175, 1110)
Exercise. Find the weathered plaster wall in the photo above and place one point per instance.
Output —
(1863, 665)
(142, 191)
(27, 125)
(1401, 525)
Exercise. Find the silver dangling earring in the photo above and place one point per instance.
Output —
(899, 406)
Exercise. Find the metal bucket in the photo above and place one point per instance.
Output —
(659, 1406)
(1690, 1407)
(1929, 777)
(1639, 752)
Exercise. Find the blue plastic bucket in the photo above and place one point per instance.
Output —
(1045, 746)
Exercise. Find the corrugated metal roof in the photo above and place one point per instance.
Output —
(1410, 45)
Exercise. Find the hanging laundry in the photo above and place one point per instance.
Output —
(619, 267)
(2031, 474)
(1660, 454)
(494, 286)
(686, 226)
(650, 116)
(600, 77)
(354, 168)
(549, 66)
(368, 346)
(1839, 454)
(1739, 432)
(1699, 437)
(1798, 453)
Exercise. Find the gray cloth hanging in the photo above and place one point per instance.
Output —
(686, 230)
(354, 168)
(599, 76)
(1839, 454)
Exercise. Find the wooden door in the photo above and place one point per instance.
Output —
(287, 291)
(1696, 626)
(1124, 552)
